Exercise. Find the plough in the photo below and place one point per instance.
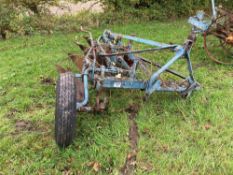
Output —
(109, 63)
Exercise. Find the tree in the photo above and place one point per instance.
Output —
(14, 12)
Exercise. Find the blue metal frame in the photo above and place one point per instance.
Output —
(198, 22)
(114, 40)
(149, 86)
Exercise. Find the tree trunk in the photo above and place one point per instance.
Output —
(3, 34)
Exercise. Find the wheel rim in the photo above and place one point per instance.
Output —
(216, 42)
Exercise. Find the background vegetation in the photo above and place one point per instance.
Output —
(25, 17)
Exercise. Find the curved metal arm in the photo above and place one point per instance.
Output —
(86, 94)
(89, 33)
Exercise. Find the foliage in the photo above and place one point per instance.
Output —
(156, 9)
(22, 16)
(26, 16)
(72, 23)
(8, 17)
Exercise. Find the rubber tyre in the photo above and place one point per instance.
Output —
(65, 113)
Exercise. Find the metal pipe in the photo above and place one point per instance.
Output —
(154, 77)
(138, 51)
(141, 40)
(214, 12)
(112, 70)
(159, 66)
(157, 87)
(86, 94)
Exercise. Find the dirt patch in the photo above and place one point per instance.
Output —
(23, 125)
(229, 74)
(146, 166)
(11, 113)
(29, 126)
(47, 81)
(130, 162)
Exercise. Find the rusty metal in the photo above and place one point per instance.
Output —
(159, 66)
(61, 70)
(222, 29)
(229, 39)
(77, 60)
(217, 32)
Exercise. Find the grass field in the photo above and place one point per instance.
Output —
(177, 136)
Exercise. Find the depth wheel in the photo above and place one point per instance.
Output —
(65, 114)
(217, 50)
(218, 40)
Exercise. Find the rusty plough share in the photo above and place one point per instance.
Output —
(109, 63)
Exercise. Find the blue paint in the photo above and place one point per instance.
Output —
(109, 76)
(201, 25)
(86, 93)
(123, 84)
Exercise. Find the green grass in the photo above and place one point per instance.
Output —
(177, 136)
